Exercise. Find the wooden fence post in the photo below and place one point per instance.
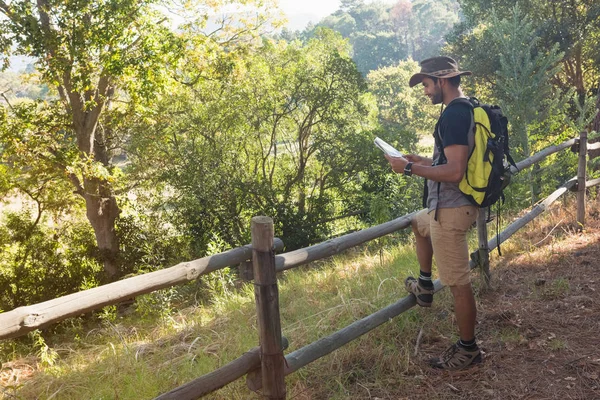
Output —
(246, 271)
(581, 178)
(484, 249)
(266, 295)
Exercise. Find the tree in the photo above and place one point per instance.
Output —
(524, 75)
(381, 35)
(431, 21)
(373, 51)
(107, 60)
(401, 109)
(404, 118)
(87, 51)
(574, 25)
(292, 147)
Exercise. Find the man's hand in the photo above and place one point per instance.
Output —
(397, 163)
(452, 171)
(419, 160)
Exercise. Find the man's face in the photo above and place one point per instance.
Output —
(433, 90)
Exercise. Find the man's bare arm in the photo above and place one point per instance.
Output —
(452, 171)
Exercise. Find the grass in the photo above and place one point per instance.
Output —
(137, 357)
(150, 352)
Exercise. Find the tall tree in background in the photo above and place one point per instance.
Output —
(401, 110)
(523, 78)
(431, 21)
(293, 146)
(574, 25)
(93, 54)
(523, 82)
(381, 35)
(86, 50)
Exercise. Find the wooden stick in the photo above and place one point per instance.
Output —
(593, 182)
(418, 342)
(267, 308)
(334, 246)
(593, 146)
(521, 222)
(539, 156)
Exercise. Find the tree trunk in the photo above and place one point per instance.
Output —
(101, 206)
(102, 213)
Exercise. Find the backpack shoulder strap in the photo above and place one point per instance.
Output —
(471, 102)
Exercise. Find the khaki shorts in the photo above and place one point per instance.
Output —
(449, 240)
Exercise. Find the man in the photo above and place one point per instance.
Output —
(441, 229)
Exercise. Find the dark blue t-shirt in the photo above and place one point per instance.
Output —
(455, 128)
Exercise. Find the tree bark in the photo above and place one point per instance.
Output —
(102, 213)
(101, 205)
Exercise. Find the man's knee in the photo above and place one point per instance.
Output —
(415, 226)
(460, 289)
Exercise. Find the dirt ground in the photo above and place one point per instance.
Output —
(539, 326)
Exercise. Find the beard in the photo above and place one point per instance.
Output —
(437, 97)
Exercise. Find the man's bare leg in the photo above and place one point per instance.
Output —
(422, 287)
(465, 310)
(424, 250)
(465, 352)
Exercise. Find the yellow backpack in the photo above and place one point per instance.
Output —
(488, 166)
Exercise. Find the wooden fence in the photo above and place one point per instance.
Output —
(266, 365)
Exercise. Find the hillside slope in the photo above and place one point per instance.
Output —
(538, 326)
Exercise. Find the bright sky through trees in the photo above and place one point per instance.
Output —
(300, 13)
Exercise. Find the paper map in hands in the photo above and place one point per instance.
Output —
(387, 148)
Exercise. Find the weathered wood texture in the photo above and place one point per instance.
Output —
(539, 156)
(326, 345)
(593, 182)
(581, 178)
(267, 308)
(334, 246)
(25, 319)
(593, 146)
(245, 271)
(521, 222)
(217, 379)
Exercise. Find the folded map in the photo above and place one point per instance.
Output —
(387, 148)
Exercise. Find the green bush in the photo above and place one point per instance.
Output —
(40, 261)
(148, 243)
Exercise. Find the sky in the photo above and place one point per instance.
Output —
(298, 12)
(301, 12)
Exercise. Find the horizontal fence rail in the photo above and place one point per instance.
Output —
(217, 379)
(530, 216)
(307, 354)
(335, 246)
(25, 319)
(539, 156)
(328, 344)
(593, 146)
